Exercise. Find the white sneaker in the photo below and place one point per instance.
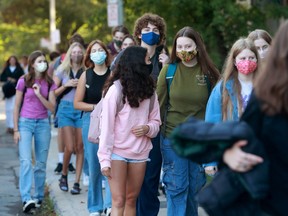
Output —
(85, 180)
(108, 211)
(95, 214)
(27, 206)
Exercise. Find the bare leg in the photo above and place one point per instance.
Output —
(135, 176)
(118, 186)
(79, 153)
(69, 138)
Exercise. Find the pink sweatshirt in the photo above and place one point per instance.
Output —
(116, 135)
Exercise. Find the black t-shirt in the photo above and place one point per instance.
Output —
(94, 86)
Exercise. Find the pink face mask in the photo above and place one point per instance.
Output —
(246, 66)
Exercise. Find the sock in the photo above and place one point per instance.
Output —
(64, 176)
(60, 157)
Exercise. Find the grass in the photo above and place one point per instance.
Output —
(47, 207)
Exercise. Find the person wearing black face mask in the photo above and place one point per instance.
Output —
(118, 33)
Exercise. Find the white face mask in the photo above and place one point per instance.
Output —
(41, 67)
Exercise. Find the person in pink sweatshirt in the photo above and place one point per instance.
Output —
(130, 118)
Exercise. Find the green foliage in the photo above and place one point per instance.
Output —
(220, 22)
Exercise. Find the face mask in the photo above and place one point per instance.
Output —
(186, 56)
(118, 42)
(98, 57)
(41, 67)
(150, 38)
(76, 58)
(246, 66)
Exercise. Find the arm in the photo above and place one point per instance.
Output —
(162, 91)
(151, 129)
(154, 120)
(79, 104)
(214, 106)
(50, 103)
(109, 110)
(16, 112)
(62, 87)
(239, 160)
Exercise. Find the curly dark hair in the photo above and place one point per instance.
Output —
(134, 75)
(142, 22)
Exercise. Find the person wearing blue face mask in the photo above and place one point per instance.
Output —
(88, 94)
(150, 32)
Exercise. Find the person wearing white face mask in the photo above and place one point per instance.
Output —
(88, 94)
(181, 95)
(34, 97)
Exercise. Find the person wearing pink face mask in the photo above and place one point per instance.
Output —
(230, 96)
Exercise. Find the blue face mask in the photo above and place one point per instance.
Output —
(150, 38)
(98, 57)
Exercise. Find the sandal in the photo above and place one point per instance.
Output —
(76, 189)
(63, 184)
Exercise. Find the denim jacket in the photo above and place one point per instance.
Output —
(214, 105)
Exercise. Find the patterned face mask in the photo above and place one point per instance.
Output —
(246, 66)
(186, 56)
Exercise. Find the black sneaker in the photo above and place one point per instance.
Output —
(71, 168)
(58, 169)
(27, 206)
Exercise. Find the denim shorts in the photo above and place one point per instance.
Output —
(127, 160)
(68, 116)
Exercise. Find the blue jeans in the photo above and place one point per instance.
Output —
(95, 197)
(183, 179)
(148, 202)
(40, 129)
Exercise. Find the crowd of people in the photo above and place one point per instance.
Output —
(145, 93)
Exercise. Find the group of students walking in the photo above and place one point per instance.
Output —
(157, 92)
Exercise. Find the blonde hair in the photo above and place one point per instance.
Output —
(230, 72)
(260, 34)
(66, 65)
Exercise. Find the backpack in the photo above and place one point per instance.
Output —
(95, 116)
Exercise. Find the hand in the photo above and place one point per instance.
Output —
(71, 83)
(163, 58)
(106, 171)
(211, 170)
(36, 89)
(11, 79)
(239, 160)
(16, 137)
(140, 130)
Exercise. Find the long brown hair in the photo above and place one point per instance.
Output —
(207, 67)
(230, 72)
(30, 77)
(271, 85)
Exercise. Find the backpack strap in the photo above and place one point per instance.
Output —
(170, 75)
